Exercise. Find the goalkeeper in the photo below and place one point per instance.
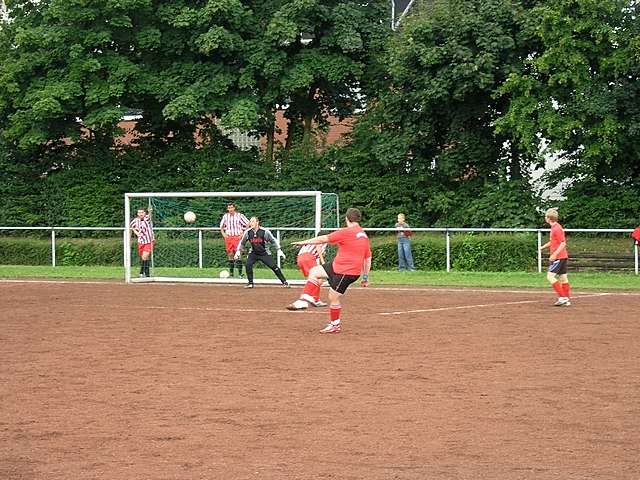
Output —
(258, 238)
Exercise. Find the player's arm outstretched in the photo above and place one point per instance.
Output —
(313, 241)
(268, 236)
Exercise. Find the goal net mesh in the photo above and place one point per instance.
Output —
(196, 251)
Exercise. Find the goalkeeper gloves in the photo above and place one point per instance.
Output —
(365, 280)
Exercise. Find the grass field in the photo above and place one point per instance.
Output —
(468, 279)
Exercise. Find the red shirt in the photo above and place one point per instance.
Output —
(353, 250)
(556, 238)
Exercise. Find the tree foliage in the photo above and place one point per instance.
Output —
(581, 90)
(453, 110)
(430, 135)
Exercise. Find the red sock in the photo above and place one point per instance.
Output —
(334, 311)
(566, 289)
(312, 289)
(557, 286)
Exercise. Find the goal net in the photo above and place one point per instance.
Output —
(195, 252)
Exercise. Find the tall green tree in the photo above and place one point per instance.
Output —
(313, 59)
(68, 69)
(579, 93)
(429, 141)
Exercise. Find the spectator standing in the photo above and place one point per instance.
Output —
(403, 235)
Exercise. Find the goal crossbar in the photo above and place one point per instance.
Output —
(310, 193)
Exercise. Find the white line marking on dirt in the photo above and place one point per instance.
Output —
(483, 305)
(457, 307)
(198, 309)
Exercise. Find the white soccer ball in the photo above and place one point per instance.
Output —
(224, 274)
(189, 217)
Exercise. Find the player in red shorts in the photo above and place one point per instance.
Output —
(232, 227)
(558, 259)
(308, 257)
(352, 260)
(141, 227)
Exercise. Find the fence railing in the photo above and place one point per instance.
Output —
(447, 232)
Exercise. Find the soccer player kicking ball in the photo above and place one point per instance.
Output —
(558, 259)
(308, 257)
(353, 258)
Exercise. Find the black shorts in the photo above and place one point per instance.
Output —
(338, 281)
(559, 267)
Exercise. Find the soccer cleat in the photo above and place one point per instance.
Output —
(298, 305)
(286, 285)
(562, 302)
(331, 328)
(319, 303)
(249, 285)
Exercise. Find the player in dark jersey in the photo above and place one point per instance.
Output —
(352, 260)
(259, 238)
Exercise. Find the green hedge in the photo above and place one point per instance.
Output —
(469, 252)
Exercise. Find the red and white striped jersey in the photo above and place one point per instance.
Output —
(144, 229)
(234, 225)
(314, 250)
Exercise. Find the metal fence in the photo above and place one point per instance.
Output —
(281, 231)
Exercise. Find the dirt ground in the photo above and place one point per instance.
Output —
(151, 381)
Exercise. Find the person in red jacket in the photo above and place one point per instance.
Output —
(558, 259)
(352, 260)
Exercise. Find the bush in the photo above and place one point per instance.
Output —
(469, 252)
(25, 251)
(494, 252)
(106, 251)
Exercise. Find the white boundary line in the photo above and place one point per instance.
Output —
(313, 310)
(480, 305)
(459, 307)
(200, 309)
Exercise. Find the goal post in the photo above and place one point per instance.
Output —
(195, 252)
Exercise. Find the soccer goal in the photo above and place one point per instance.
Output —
(195, 252)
